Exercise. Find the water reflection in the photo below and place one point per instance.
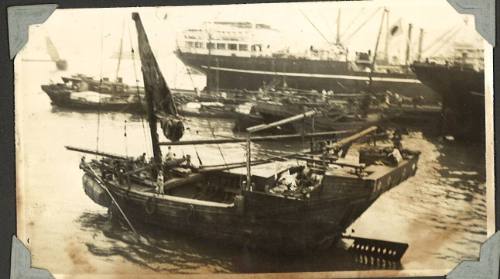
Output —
(444, 203)
(165, 251)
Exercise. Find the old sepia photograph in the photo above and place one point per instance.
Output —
(350, 139)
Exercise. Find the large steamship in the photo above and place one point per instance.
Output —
(245, 55)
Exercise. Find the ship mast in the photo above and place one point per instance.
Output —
(337, 41)
(148, 63)
(386, 49)
(209, 58)
(372, 66)
(120, 52)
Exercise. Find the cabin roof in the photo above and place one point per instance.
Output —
(72, 78)
(374, 171)
(266, 170)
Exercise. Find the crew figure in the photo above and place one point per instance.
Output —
(142, 159)
(159, 183)
(169, 156)
(82, 162)
(188, 161)
(396, 139)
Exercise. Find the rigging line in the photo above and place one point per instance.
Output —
(351, 23)
(125, 137)
(444, 43)
(317, 29)
(120, 50)
(138, 91)
(218, 145)
(362, 24)
(100, 88)
(197, 155)
(188, 71)
(328, 24)
(440, 38)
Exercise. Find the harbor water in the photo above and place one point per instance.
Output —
(440, 213)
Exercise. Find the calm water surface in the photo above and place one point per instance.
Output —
(441, 212)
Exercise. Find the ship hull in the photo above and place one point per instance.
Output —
(252, 73)
(462, 92)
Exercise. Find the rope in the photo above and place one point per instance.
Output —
(120, 50)
(361, 26)
(445, 41)
(100, 88)
(218, 145)
(125, 137)
(189, 72)
(317, 29)
(101, 183)
(138, 92)
(351, 23)
(440, 38)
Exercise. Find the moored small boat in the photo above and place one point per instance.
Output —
(62, 96)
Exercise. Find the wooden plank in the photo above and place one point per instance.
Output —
(260, 138)
(350, 139)
(294, 118)
(104, 154)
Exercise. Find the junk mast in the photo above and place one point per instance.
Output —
(160, 104)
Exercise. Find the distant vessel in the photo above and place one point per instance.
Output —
(338, 112)
(82, 92)
(61, 64)
(460, 82)
(250, 56)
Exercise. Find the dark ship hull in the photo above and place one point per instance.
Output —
(462, 93)
(252, 73)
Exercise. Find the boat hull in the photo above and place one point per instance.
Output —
(273, 225)
(252, 73)
(62, 98)
(259, 220)
(271, 112)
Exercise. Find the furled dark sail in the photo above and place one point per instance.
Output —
(162, 104)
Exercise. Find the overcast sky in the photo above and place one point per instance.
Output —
(83, 28)
(94, 34)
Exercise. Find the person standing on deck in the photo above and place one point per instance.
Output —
(169, 156)
(159, 183)
(396, 139)
(141, 159)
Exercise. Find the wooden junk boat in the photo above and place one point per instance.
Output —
(66, 97)
(306, 204)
